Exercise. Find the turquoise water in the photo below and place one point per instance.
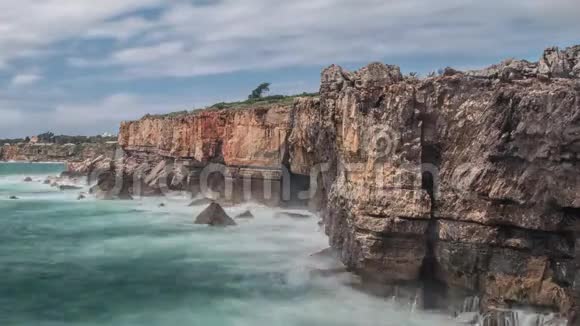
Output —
(69, 262)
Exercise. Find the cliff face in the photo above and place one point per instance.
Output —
(477, 190)
(255, 136)
(466, 183)
(54, 152)
(178, 152)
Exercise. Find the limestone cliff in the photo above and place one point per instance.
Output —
(465, 183)
(478, 190)
(236, 137)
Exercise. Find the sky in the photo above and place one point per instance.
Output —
(80, 67)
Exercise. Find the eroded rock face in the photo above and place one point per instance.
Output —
(254, 136)
(466, 180)
(214, 215)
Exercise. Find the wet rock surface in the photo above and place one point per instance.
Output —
(245, 215)
(69, 187)
(214, 215)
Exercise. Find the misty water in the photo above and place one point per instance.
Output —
(89, 262)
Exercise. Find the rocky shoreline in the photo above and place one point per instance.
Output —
(458, 186)
(26, 152)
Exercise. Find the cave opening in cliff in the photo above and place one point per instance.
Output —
(299, 190)
(434, 291)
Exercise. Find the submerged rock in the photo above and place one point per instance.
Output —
(325, 253)
(246, 214)
(214, 215)
(69, 187)
(293, 215)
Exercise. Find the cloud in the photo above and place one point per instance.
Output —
(138, 50)
(25, 79)
(188, 39)
(155, 53)
(29, 25)
(120, 30)
(88, 117)
(185, 38)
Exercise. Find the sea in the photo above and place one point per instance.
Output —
(65, 261)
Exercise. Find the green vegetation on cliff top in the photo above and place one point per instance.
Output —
(251, 102)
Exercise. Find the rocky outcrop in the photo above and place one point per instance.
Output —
(463, 184)
(214, 215)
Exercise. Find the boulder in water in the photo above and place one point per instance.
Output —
(13, 197)
(69, 187)
(47, 181)
(246, 214)
(214, 215)
(293, 215)
(161, 205)
(28, 179)
(81, 197)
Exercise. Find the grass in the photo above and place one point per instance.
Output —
(263, 101)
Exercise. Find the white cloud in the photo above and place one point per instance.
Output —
(121, 30)
(25, 79)
(189, 39)
(186, 39)
(29, 25)
(233, 35)
(88, 117)
(163, 51)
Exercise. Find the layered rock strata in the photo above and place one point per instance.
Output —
(465, 183)
(233, 155)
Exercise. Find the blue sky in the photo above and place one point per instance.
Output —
(82, 66)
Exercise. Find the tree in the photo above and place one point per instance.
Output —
(47, 137)
(259, 91)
